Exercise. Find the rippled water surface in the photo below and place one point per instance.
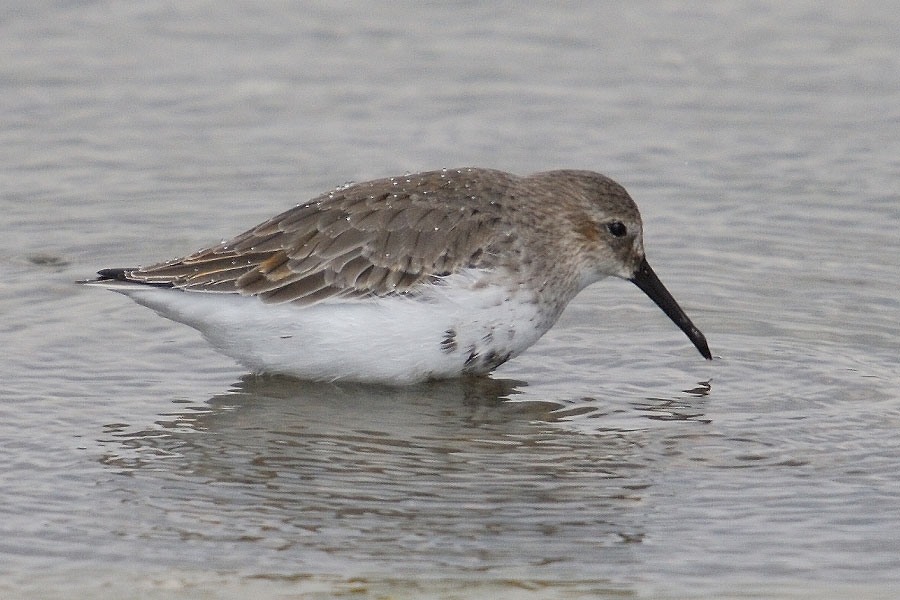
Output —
(761, 140)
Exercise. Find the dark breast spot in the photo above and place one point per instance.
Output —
(492, 359)
(485, 362)
(448, 344)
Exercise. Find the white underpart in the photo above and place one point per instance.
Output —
(397, 339)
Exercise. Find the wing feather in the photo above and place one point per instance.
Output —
(378, 238)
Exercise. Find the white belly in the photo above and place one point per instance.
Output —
(445, 333)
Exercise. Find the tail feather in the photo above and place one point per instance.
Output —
(119, 274)
(110, 277)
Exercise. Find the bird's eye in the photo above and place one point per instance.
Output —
(617, 228)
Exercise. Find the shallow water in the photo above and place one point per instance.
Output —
(761, 141)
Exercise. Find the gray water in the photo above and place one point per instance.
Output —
(762, 143)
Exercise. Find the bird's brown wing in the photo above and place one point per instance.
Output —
(376, 238)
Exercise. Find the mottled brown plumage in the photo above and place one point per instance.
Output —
(387, 236)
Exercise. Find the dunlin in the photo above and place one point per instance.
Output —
(424, 276)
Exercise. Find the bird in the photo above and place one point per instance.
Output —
(432, 275)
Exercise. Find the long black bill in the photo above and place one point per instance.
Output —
(647, 280)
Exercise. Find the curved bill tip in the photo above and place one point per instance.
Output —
(650, 284)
